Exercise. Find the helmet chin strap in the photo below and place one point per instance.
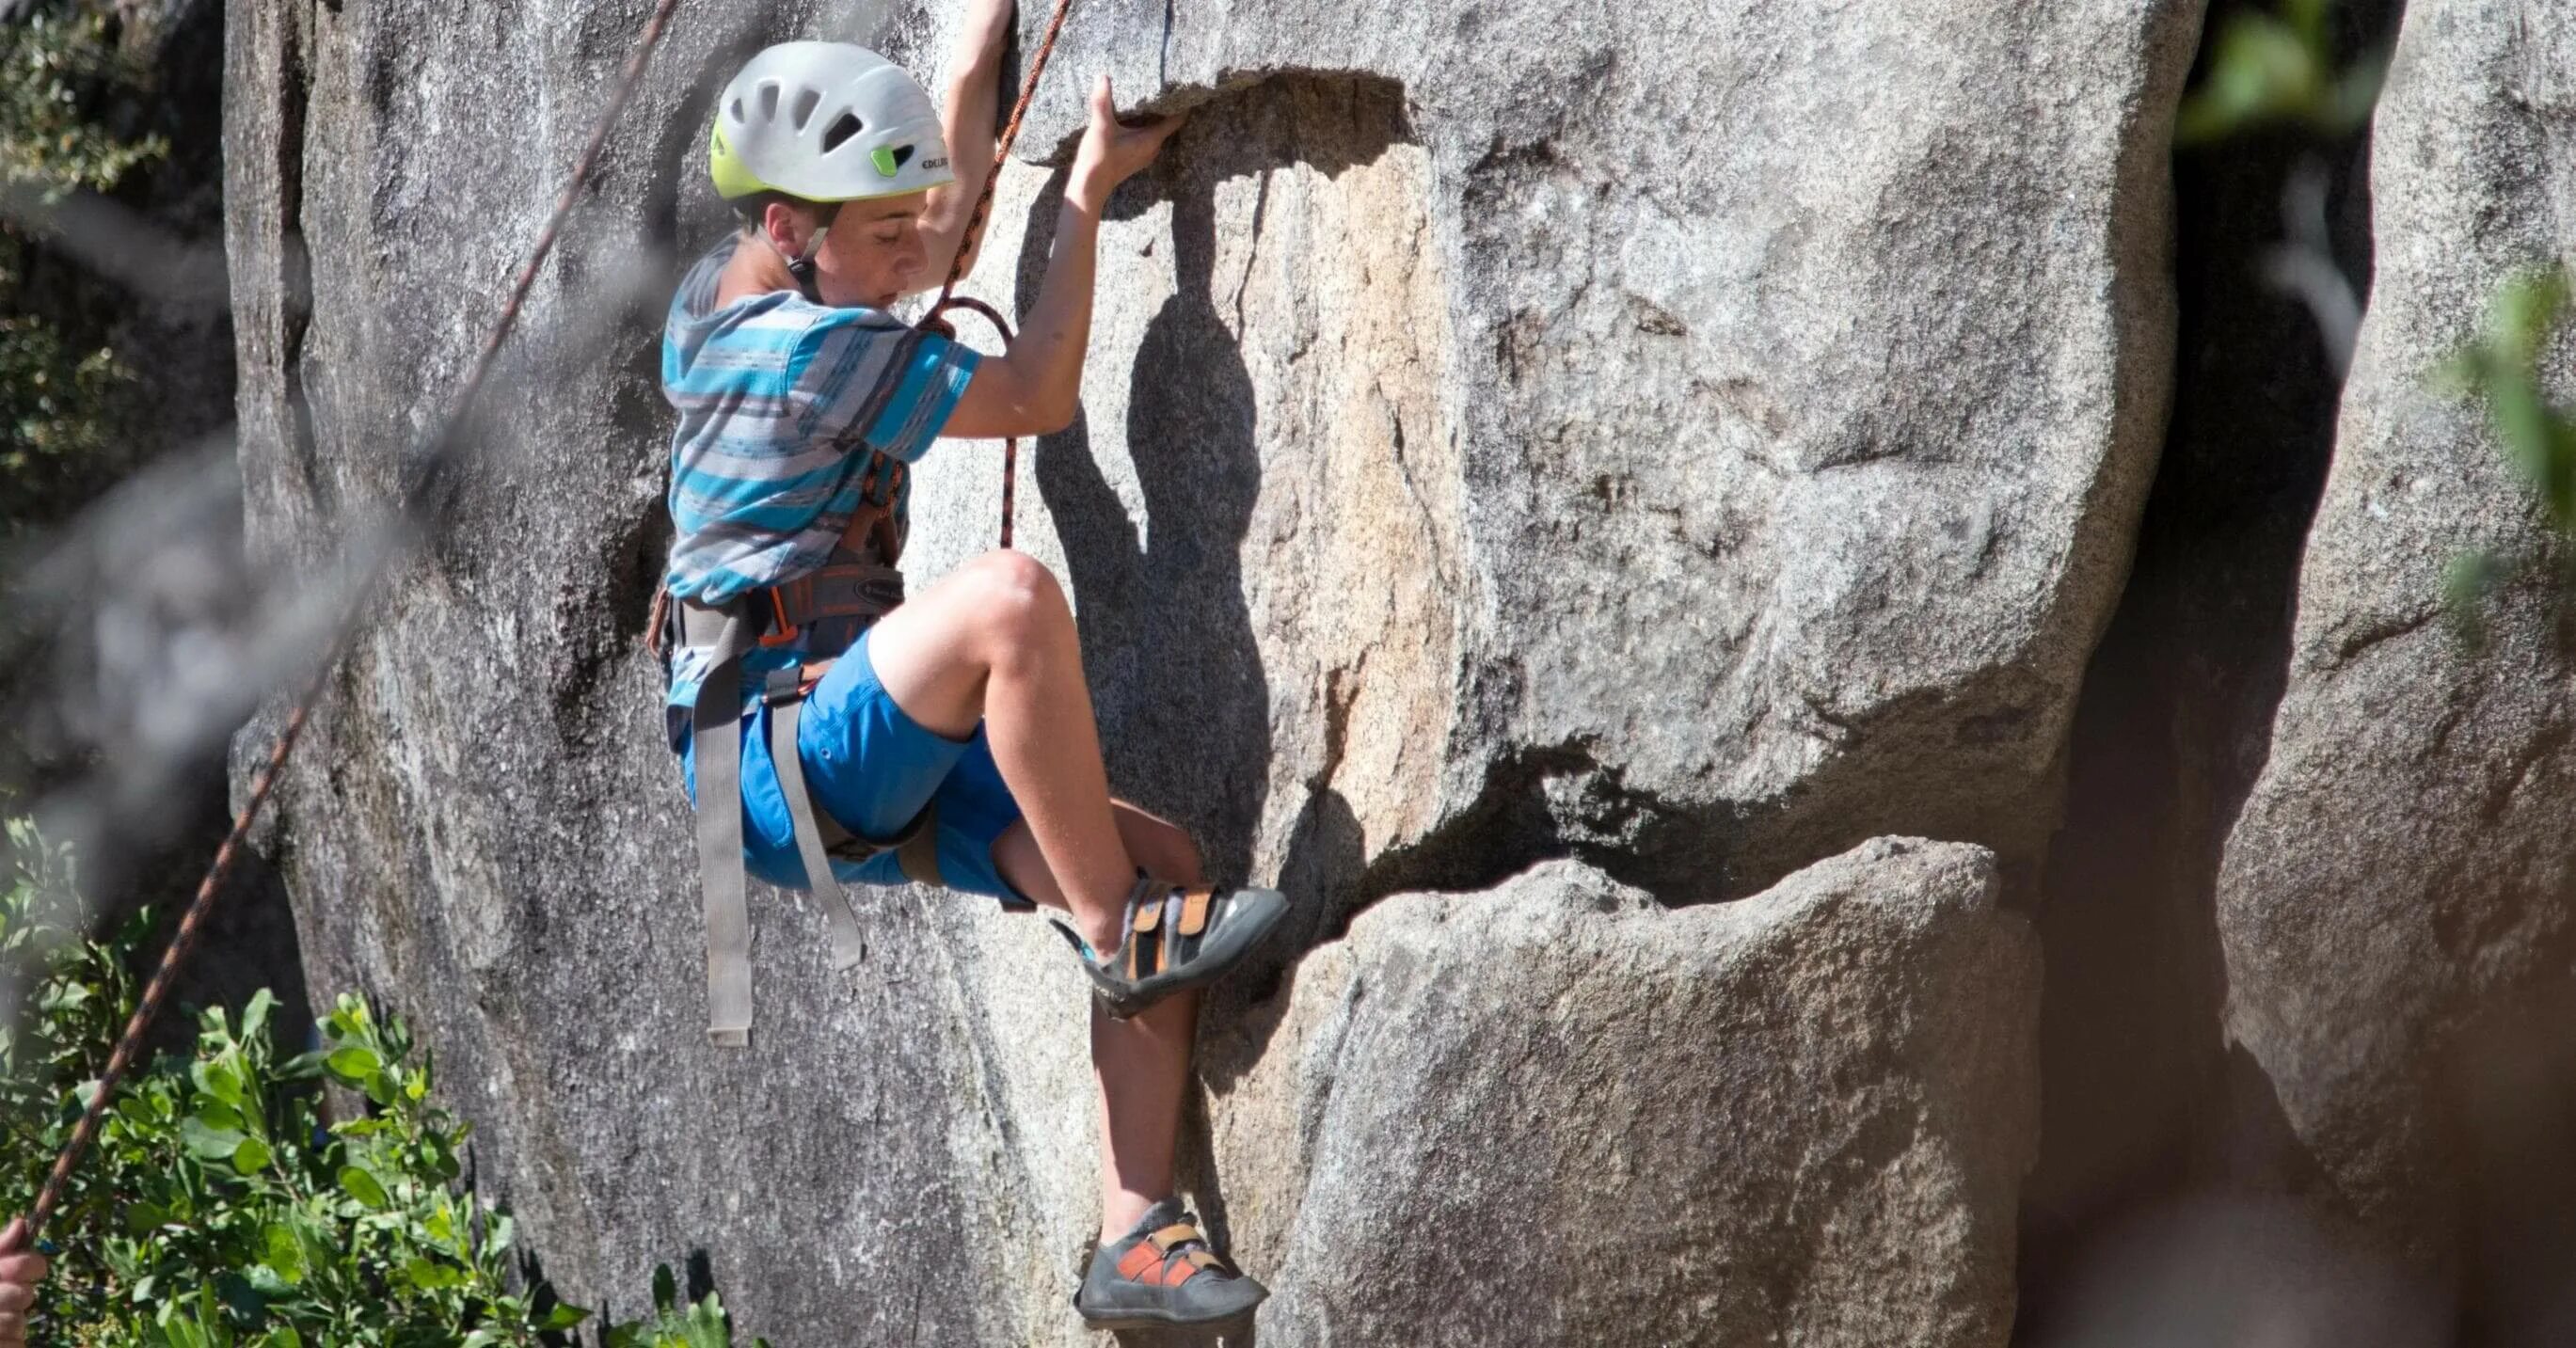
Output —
(801, 265)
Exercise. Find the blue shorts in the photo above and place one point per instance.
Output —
(872, 767)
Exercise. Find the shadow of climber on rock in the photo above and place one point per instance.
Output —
(1176, 674)
(1176, 677)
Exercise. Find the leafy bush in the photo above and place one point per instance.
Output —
(57, 62)
(60, 422)
(224, 1204)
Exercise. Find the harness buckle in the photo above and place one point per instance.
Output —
(783, 630)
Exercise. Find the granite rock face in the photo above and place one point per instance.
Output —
(1697, 441)
(1744, 413)
(1557, 1112)
(2394, 900)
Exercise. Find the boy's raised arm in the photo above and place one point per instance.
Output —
(1036, 387)
(966, 120)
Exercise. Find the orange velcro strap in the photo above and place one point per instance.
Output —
(1173, 1235)
(1149, 916)
(1194, 911)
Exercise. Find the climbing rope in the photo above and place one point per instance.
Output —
(443, 449)
(935, 320)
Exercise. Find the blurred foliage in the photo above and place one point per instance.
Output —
(61, 422)
(60, 62)
(2271, 69)
(2503, 369)
(223, 1204)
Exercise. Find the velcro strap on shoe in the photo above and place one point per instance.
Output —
(1149, 916)
(1139, 1261)
(1194, 913)
(1173, 1235)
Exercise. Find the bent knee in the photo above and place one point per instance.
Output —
(1015, 592)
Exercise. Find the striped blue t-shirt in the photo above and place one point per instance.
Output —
(771, 456)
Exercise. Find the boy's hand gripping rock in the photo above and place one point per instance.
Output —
(1113, 151)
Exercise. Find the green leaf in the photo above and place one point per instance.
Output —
(285, 1252)
(354, 1065)
(429, 1275)
(255, 1014)
(207, 1141)
(251, 1157)
(220, 1078)
(363, 1186)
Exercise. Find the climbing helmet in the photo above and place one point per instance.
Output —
(827, 122)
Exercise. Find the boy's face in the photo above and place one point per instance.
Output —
(874, 252)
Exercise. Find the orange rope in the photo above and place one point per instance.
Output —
(948, 296)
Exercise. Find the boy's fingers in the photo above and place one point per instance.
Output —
(16, 1298)
(1102, 105)
(14, 1236)
(23, 1268)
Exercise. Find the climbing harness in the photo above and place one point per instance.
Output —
(819, 615)
(816, 616)
(441, 451)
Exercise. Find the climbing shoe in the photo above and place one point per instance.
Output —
(1163, 1273)
(1174, 939)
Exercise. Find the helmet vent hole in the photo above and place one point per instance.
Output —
(806, 102)
(737, 111)
(842, 128)
(769, 101)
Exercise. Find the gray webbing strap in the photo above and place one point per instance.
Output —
(715, 726)
(786, 706)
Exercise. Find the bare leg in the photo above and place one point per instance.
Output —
(994, 642)
(1143, 1064)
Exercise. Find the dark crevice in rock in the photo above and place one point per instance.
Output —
(295, 284)
(1507, 829)
(2142, 1104)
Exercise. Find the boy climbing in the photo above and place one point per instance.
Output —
(948, 737)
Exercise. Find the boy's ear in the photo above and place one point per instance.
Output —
(779, 224)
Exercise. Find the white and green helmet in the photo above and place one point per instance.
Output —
(826, 121)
